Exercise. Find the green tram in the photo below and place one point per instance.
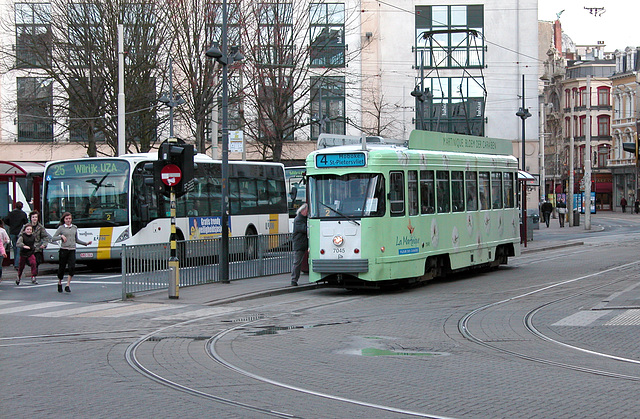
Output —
(395, 213)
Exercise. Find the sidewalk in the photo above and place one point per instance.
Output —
(245, 289)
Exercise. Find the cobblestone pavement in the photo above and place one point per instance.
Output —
(325, 353)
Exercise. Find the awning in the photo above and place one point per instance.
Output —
(604, 187)
(526, 177)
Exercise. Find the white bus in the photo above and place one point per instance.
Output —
(113, 201)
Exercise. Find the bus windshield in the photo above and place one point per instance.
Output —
(354, 195)
(94, 191)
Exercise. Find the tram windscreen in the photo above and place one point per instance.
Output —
(94, 192)
(355, 195)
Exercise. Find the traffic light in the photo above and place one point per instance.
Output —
(631, 148)
(177, 153)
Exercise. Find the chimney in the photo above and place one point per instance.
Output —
(557, 35)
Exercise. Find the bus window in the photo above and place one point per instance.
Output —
(496, 189)
(484, 190)
(413, 192)
(508, 190)
(396, 193)
(472, 191)
(427, 192)
(457, 191)
(442, 181)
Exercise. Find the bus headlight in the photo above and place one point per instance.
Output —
(338, 240)
(123, 236)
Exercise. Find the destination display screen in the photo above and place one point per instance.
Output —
(88, 168)
(341, 160)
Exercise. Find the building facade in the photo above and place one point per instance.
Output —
(469, 59)
(625, 90)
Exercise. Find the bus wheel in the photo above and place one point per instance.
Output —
(251, 244)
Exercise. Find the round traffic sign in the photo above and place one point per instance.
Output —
(171, 175)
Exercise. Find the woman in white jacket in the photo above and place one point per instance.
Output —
(68, 233)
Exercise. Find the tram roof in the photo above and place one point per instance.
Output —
(20, 168)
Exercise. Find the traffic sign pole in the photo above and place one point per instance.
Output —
(174, 262)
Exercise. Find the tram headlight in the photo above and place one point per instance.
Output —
(338, 240)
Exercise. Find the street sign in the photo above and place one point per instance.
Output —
(171, 175)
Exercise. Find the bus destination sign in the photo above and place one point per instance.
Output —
(340, 160)
(87, 168)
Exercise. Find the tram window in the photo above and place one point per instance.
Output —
(508, 190)
(427, 192)
(443, 195)
(413, 192)
(484, 190)
(396, 193)
(496, 189)
(472, 190)
(457, 191)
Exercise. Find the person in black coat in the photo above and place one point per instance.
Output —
(15, 220)
(547, 209)
(300, 242)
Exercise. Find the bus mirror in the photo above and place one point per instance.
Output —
(144, 213)
(149, 181)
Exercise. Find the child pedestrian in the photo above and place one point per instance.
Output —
(68, 233)
(40, 233)
(27, 245)
(5, 241)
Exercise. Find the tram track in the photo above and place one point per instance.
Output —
(132, 360)
(73, 337)
(465, 330)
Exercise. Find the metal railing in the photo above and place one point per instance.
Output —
(145, 267)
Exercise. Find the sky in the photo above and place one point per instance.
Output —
(618, 26)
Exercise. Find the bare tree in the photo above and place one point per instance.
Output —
(379, 117)
(294, 54)
(72, 48)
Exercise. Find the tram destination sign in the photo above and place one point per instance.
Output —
(340, 160)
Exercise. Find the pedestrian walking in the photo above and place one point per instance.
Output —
(547, 209)
(5, 242)
(562, 212)
(40, 233)
(15, 220)
(636, 206)
(300, 242)
(27, 245)
(68, 233)
(623, 204)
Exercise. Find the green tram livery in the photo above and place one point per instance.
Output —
(393, 213)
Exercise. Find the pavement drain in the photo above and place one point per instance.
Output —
(274, 330)
(386, 352)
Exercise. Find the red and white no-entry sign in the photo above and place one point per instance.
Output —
(171, 175)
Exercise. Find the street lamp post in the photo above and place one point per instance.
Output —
(524, 113)
(222, 57)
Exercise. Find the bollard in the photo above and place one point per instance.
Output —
(174, 278)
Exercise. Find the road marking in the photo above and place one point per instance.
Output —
(581, 318)
(73, 311)
(628, 318)
(30, 307)
(139, 309)
(197, 313)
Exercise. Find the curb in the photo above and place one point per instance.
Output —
(552, 247)
(262, 294)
